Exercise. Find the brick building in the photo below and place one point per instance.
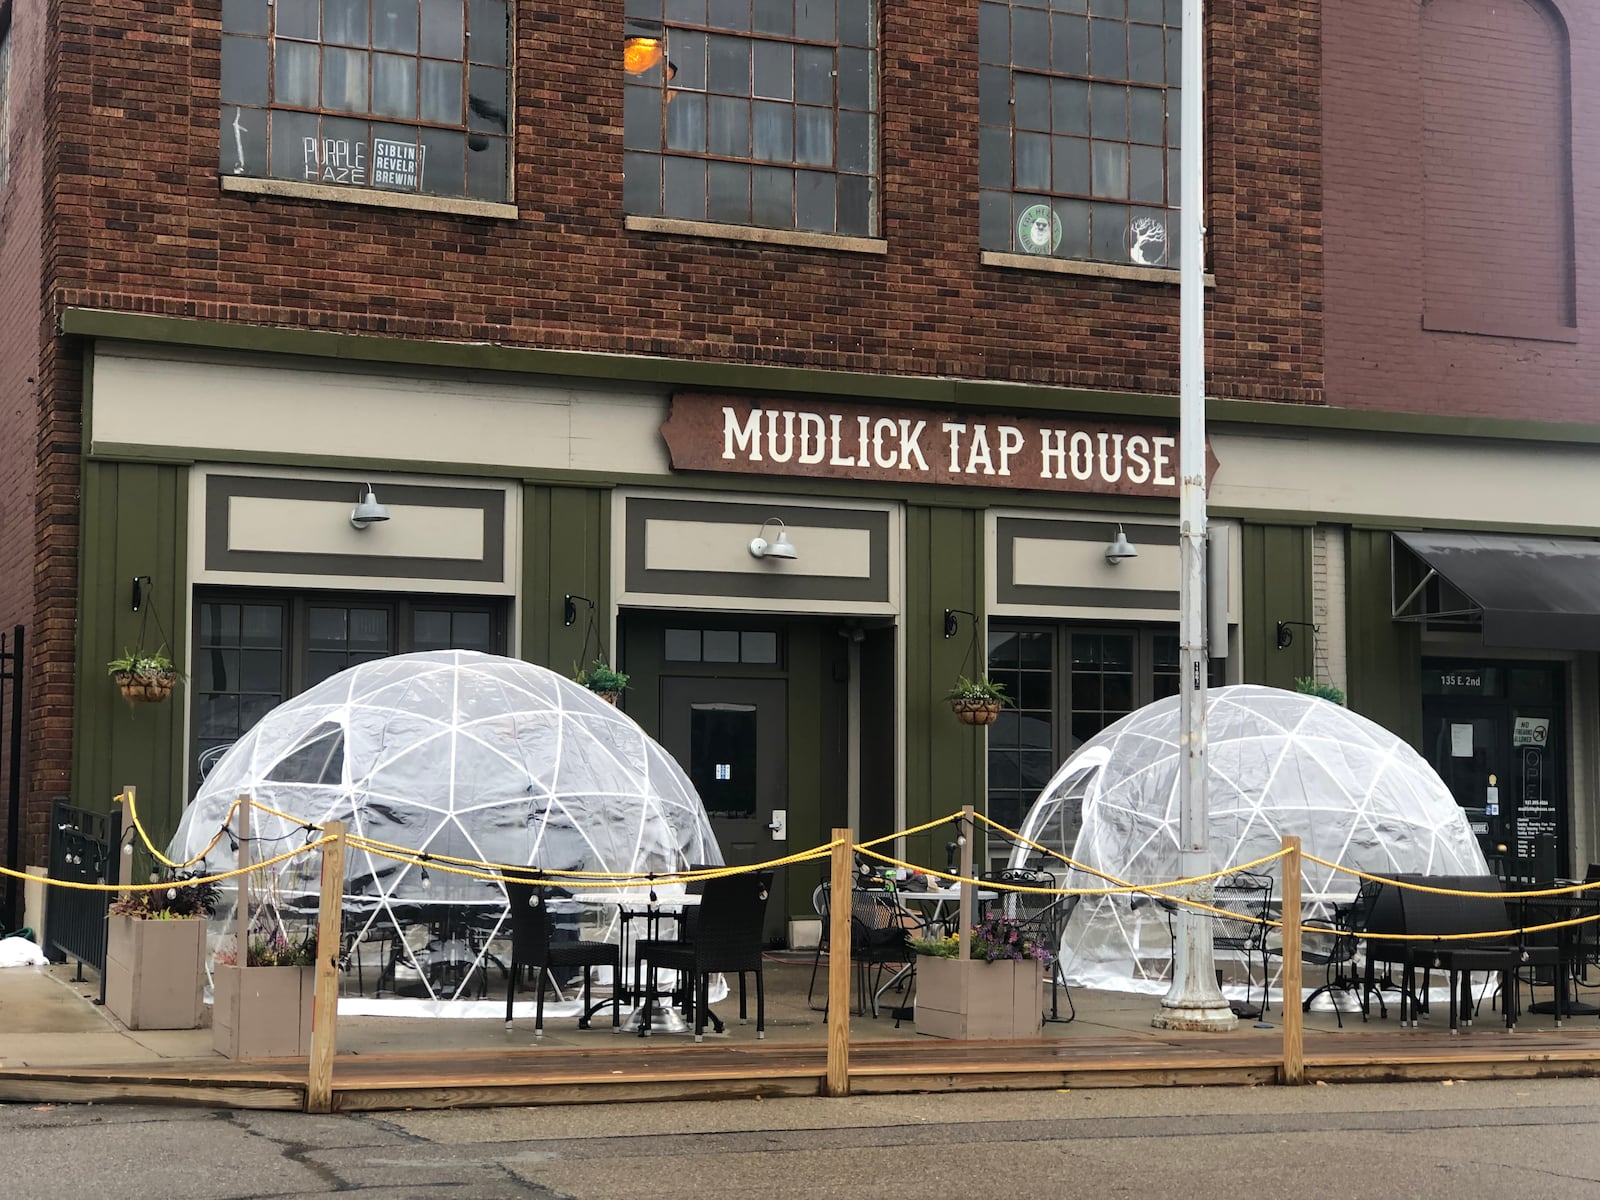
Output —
(590, 295)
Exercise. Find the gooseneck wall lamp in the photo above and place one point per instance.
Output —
(781, 547)
(1286, 632)
(1120, 548)
(368, 510)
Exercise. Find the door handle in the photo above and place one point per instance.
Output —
(779, 825)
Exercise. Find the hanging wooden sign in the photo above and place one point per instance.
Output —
(872, 442)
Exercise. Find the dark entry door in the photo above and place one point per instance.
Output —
(731, 737)
(1495, 734)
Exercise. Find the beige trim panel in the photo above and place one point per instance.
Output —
(290, 528)
(298, 408)
(725, 549)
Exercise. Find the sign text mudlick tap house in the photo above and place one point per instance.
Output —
(844, 441)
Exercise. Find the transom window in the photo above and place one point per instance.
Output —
(398, 95)
(753, 112)
(1078, 145)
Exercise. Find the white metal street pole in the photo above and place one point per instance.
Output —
(1195, 1000)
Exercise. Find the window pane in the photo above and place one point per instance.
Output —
(1069, 102)
(486, 32)
(1147, 179)
(344, 80)
(1108, 49)
(641, 118)
(758, 647)
(1070, 166)
(1146, 46)
(855, 79)
(299, 19)
(217, 670)
(728, 127)
(856, 24)
(686, 124)
(814, 196)
(431, 631)
(772, 198)
(813, 136)
(1110, 230)
(728, 63)
(443, 166)
(682, 645)
(813, 67)
(994, 158)
(728, 192)
(1033, 161)
(344, 22)
(1110, 169)
(246, 16)
(854, 218)
(1147, 238)
(487, 169)
(1146, 115)
(486, 99)
(1030, 39)
(394, 25)
(1032, 110)
(260, 625)
(1069, 44)
(1075, 242)
(260, 670)
(441, 92)
(689, 53)
(294, 146)
(994, 219)
(720, 645)
(994, 96)
(773, 132)
(442, 31)
(641, 184)
(994, 34)
(728, 14)
(295, 75)
(774, 70)
(244, 70)
(855, 142)
(773, 16)
(684, 188)
(814, 20)
(394, 85)
(1108, 111)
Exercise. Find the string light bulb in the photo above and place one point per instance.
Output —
(639, 54)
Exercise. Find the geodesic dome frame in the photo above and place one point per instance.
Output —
(450, 755)
(1277, 763)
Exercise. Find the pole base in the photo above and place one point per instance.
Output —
(1196, 1016)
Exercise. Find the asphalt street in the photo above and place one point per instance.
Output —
(1464, 1141)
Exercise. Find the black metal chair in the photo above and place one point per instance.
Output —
(880, 938)
(1041, 915)
(1331, 945)
(727, 940)
(534, 945)
(685, 919)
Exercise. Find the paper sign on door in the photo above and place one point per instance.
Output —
(1461, 741)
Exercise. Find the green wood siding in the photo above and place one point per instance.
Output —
(1277, 587)
(564, 534)
(135, 522)
(944, 759)
(1384, 655)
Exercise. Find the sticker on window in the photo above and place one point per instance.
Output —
(1039, 229)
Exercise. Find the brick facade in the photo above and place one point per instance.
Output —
(1380, 354)
(117, 152)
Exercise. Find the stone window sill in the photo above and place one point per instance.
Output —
(1094, 270)
(752, 233)
(371, 197)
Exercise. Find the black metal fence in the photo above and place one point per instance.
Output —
(83, 849)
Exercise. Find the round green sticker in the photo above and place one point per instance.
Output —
(1039, 229)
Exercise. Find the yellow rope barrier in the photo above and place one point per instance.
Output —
(913, 831)
(171, 883)
(128, 803)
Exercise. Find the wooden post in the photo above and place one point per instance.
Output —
(241, 909)
(1294, 1051)
(964, 905)
(325, 1005)
(839, 888)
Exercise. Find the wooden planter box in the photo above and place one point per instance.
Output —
(975, 1000)
(262, 1012)
(155, 972)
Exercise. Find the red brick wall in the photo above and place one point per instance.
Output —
(1377, 228)
(157, 236)
(22, 343)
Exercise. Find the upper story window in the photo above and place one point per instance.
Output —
(753, 112)
(1078, 109)
(397, 95)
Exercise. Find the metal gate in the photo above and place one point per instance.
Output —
(82, 850)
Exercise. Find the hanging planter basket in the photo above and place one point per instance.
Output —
(144, 688)
(975, 712)
(608, 697)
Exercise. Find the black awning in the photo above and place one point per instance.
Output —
(1531, 591)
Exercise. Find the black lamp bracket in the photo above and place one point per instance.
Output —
(1286, 632)
(569, 607)
(950, 622)
(140, 583)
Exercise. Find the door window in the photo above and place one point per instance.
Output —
(722, 757)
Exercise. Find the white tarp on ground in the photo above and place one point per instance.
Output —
(456, 753)
(1277, 763)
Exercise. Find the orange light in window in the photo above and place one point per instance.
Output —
(639, 54)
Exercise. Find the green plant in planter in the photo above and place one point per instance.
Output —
(1308, 685)
(599, 677)
(980, 689)
(183, 899)
(145, 665)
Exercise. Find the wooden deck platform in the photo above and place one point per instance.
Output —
(564, 1075)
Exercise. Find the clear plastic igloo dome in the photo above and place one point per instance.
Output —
(1277, 763)
(451, 754)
